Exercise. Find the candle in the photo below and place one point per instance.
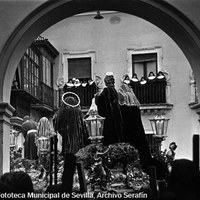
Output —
(93, 128)
(160, 126)
(12, 139)
(98, 127)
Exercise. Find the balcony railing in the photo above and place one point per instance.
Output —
(152, 92)
(86, 93)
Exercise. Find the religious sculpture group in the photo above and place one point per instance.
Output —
(121, 156)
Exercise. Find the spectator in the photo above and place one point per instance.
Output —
(17, 182)
(151, 76)
(15, 85)
(182, 183)
(4, 188)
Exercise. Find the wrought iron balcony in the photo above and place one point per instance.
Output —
(86, 93)
(148, 94)
(152, 92)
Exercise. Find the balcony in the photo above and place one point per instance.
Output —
(47, 94)
(151, 92)
(86, 93)
(46, 97)
(40, 98)
(153, 95)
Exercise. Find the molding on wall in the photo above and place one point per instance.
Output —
(154, 109)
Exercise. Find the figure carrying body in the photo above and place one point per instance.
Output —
(108, 107)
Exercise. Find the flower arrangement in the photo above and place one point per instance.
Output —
(36, 169)
(117, 167)
(112, 167)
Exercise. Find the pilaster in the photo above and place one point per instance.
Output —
(6, 111)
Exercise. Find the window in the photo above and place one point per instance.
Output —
(142, 61)
(142, 64)
(79, 68)
(78, 65)
(30, 63)
(47, 71)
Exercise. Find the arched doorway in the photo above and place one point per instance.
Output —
(171, 21)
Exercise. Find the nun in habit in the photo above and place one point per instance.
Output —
(70, 125)
(133, 130)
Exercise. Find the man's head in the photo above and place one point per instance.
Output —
(15, 83)
(109, 79)
(173, 146)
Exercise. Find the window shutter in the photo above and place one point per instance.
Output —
(79, 68)
(144, 57)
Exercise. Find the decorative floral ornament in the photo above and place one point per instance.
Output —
(60, 82)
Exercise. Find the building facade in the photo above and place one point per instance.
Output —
(123, 43)
(32, 92)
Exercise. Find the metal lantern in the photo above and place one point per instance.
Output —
(94, 124)
(159, 126)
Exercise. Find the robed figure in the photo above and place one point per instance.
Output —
(108, 107)
(70, 125)
(133, 130)
(29, 130)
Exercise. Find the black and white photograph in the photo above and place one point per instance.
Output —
(99, 99)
